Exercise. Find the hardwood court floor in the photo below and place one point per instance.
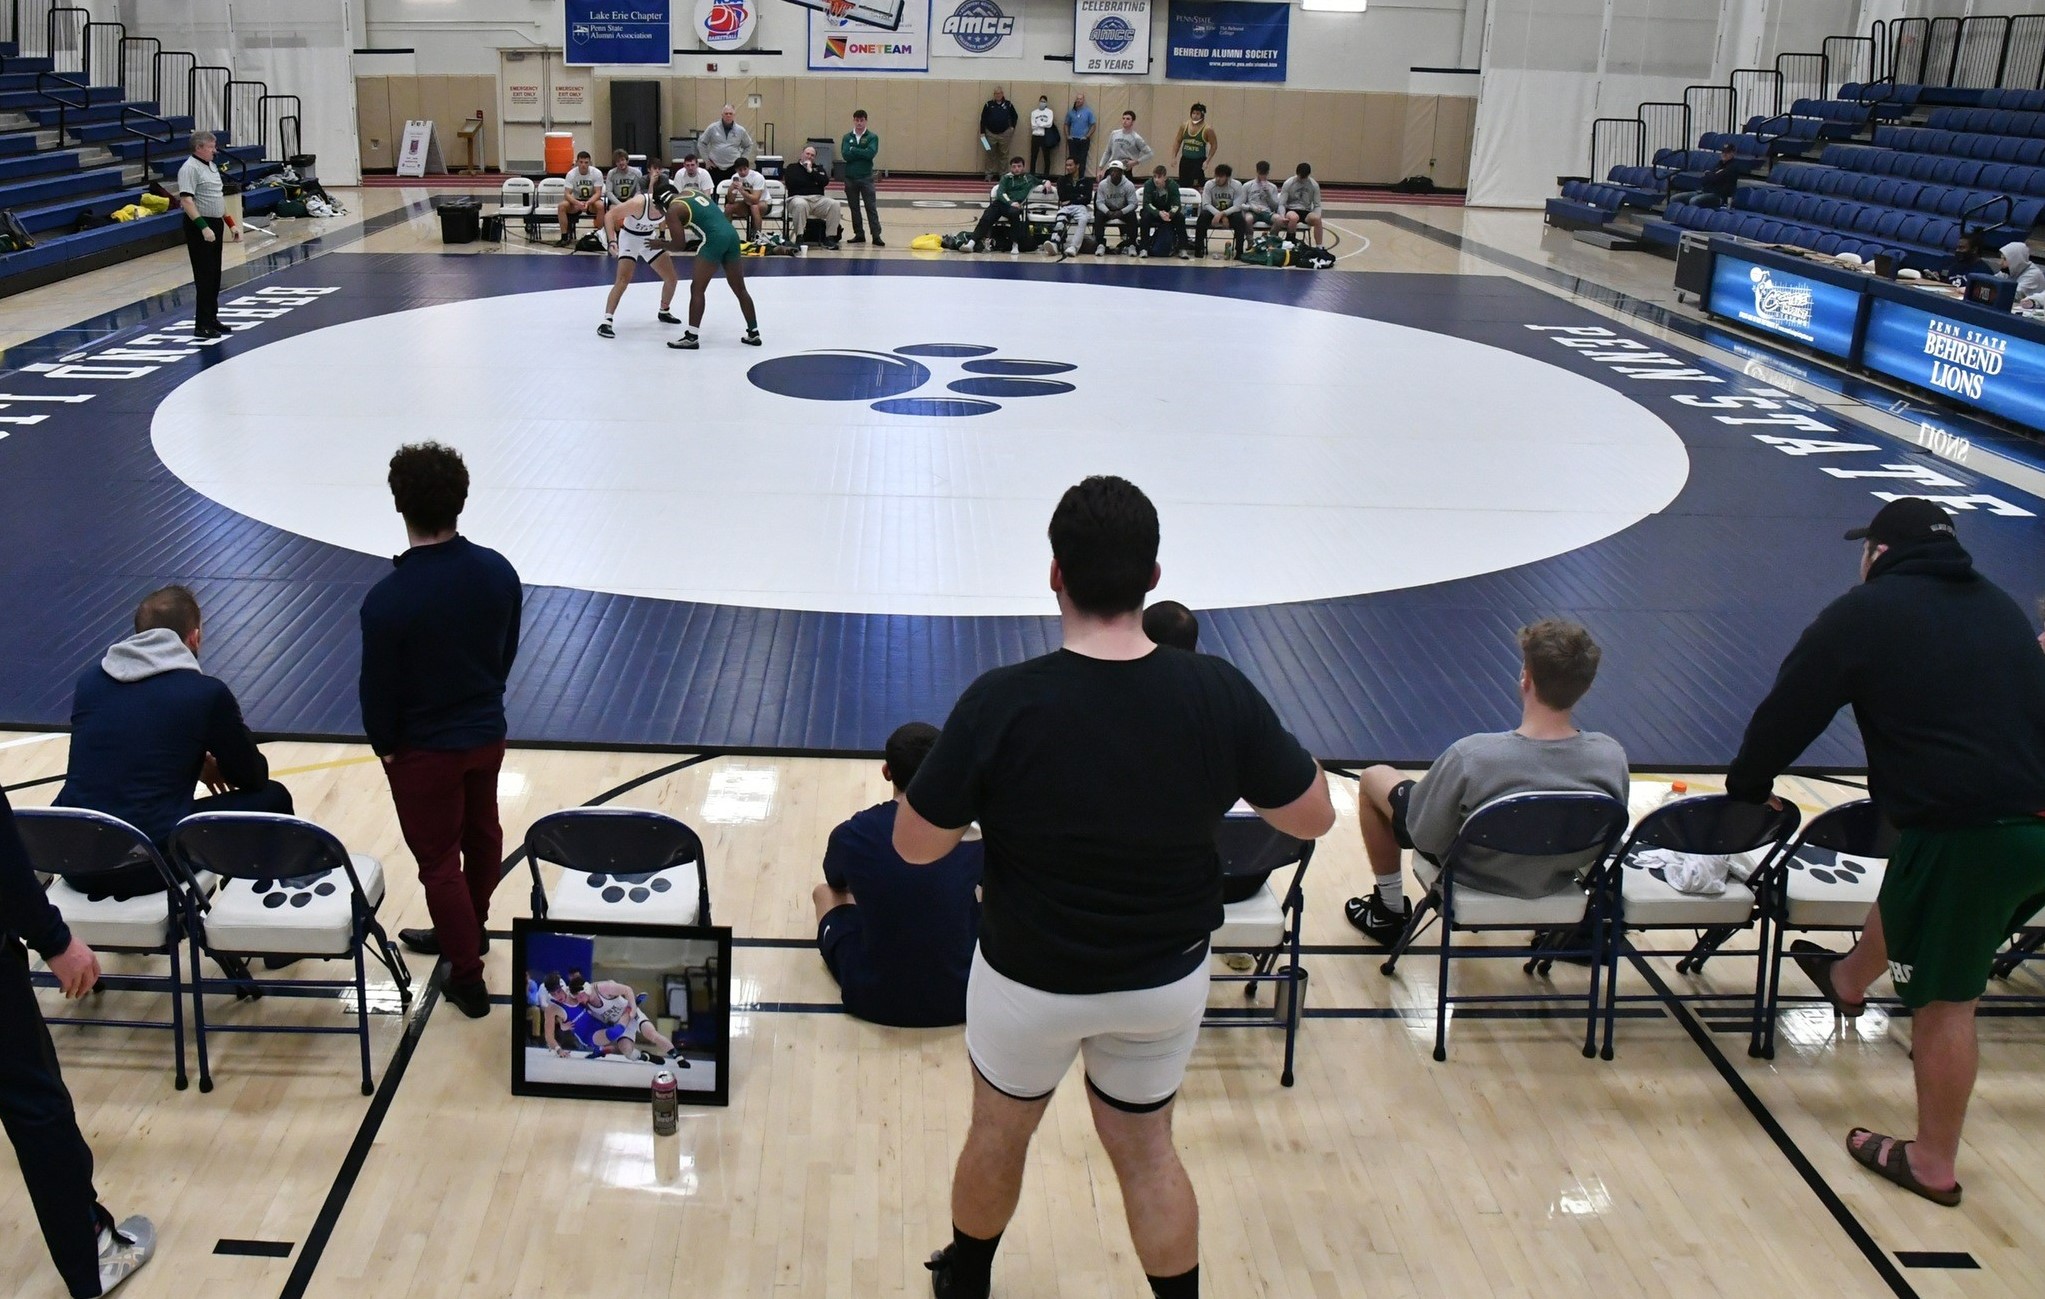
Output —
(1682, 1168)
(1515, 1168)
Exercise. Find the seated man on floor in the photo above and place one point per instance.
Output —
(1558, 662)
(1221, 203)
(1163, 209)
(807, 180)
(1011, 196)
(1075, 210)
(898, 938)
(1299, 204)
(147, 726)
(583, 196)
(1118, 201)
(747, 197)
(1261, 203)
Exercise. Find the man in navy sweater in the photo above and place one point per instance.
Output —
(148, 727)
(92, 1252)
(439, 636)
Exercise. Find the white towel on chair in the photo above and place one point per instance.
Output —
(1688, 872)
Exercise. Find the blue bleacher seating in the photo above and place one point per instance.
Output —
(1981, 147)
(1988, 121)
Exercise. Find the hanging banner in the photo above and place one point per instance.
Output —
(634, 32)
(841, 45)
(727, 24)
(1226, 40)
(1111, 37)
(979, 29)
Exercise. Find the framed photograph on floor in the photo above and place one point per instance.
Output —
(599, 1008)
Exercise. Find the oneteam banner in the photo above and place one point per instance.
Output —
(841, 45)
(634, 32)
(1226, 40)
(1111, 37)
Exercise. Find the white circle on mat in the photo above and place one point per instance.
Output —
(1293, 454)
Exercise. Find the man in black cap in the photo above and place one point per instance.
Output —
(1948, 688)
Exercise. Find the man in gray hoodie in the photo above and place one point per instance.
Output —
(1221, 200)
(1118, 201)
(147, 726)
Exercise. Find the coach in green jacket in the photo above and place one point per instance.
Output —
(858, 148)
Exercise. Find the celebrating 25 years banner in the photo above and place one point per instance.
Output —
(1226, 40)
(636, 32)
(1111, 36)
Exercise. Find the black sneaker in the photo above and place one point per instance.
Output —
(605, 331)
(879, 242)
(1376, 921)
(427, 943)
(668, 318)
(945, 1284)
(752, 338)
(687, 343)
(856, 239)
(471, 999)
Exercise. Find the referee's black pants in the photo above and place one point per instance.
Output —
(36, 1110)
(206, 267)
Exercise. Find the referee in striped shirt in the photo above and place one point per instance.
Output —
(201, 196)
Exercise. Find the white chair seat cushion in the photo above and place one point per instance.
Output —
(1832, 891)
(308, 915)
(1256, 922)
(142, 922)
(1651, 900)
(1476, 907)
(666, 897)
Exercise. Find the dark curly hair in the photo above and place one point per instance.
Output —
(431, 484)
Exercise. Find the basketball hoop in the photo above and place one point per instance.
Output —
(838, 8)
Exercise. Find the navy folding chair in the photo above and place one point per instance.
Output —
(619, 863)
(76, 845)
(1259, 921)
(1825, 880)
(1709, 825)
(1545, 825)
(289, 892)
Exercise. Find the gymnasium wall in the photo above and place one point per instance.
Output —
(1352, 104)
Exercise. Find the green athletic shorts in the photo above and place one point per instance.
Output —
(1951, 897)
(719, 247)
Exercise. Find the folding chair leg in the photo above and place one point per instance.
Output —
(1773, 1007)
(391, 959)
(1406, 936)
(1590, 1027)
(1441, 986)
(2026, 946)
(1294, 979)
(177, 1018)
(199, 1017)
(362, 1016)
(1615, 943)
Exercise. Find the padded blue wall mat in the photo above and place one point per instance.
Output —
(1367, 482)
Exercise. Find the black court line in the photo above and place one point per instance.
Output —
(254, 1248)
(1877, 1258)
(1936, 1258)
(350, 1172)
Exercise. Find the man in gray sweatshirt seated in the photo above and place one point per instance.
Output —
(1118, 201)
(1559, 660)
(1221, 200)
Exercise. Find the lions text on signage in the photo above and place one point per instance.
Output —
(619, 31)
(842, 45)
(979, 29)
(1226, 40)
(1814, 312)
(2001, 372)
(727, 24)
(1111, 36)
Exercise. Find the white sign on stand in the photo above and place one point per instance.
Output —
(419, 151)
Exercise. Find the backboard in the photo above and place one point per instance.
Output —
(884, 14)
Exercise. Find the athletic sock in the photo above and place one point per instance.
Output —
(1186, 1285)
(972, 1260)
(1392, 891)
(610, 318)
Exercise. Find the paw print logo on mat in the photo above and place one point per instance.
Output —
(297, 891)
(891, 380)
(638, 886)
(1838, 870)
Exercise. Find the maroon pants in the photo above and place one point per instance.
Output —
(447, 807)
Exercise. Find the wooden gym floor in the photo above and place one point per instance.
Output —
(1515, 1168)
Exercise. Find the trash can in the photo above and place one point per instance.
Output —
(560, 155)
(460, 221)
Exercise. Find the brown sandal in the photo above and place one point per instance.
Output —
(1817, 965)
(1893, 1162)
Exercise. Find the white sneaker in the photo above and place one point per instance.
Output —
(123, 1250)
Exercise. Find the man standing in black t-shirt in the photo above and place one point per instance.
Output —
(1098, 775)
